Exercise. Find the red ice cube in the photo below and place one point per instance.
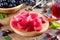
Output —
(33, 15)
(14, 23)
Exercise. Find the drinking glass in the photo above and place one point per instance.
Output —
(56, 9)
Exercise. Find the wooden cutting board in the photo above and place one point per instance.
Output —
(14, 36)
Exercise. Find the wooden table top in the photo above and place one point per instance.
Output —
(15, 36)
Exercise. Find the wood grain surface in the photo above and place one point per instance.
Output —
(14, 36)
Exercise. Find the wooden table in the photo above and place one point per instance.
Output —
(15, 36)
